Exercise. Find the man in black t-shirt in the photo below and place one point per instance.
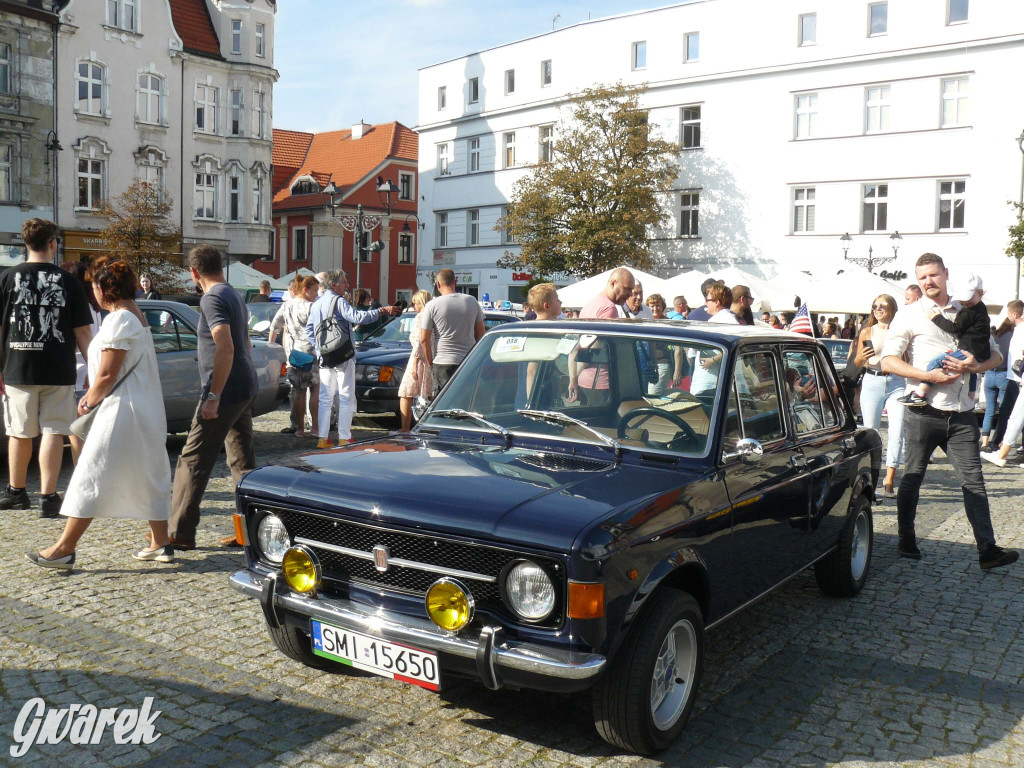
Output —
(224, 415)
(44, 316)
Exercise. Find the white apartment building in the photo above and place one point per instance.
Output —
(797, 122)
(175, 92)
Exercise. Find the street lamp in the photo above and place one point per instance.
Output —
(870, 261)
(1020, 211)
(356, 224)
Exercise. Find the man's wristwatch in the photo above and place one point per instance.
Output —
(212, 397)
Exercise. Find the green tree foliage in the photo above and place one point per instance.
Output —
(589, 209)
(140, 231)
(1015, 250)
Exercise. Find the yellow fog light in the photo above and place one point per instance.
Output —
(449, 604)
(301, 569)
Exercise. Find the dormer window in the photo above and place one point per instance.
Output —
(306, 185)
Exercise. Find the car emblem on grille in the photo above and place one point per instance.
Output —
(380, 558)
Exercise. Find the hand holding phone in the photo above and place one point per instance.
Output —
(868, 345)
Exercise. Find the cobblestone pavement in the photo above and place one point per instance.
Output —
(925, 667)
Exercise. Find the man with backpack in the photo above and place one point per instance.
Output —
(329, 329)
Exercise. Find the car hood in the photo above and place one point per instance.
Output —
(381, 354)
(479, 491)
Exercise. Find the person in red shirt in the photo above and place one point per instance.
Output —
(607, 304)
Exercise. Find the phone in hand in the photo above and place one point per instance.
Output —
(868, 345)
(400, 305)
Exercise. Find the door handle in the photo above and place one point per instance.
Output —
(799, 461)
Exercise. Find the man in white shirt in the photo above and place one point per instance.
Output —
(634, 306)
(947, 421)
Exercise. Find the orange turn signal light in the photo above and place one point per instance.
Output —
(239, 528)
(386, 373)
(586, 601)
(284, 369)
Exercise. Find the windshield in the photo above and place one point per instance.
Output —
(261, 314)
(395, 332)
(641, 392)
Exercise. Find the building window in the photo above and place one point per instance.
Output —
(405, 186)
(474, 90)
(808, 28)
(474, 155)
(691, 46)
(205, 197)
(954, 102)
(442, 159)
(875, 216)
(259, 114)
(545, 73)
(5, 174)
(878, 19)
(956, 11)
(507, 236)
(236, 36)
(5, 68)
(510, 81)
(257, 199)
(689, 131)
(235, 128)
(509, 156)
(442, 98)
(876, 113)
(150, 170)
(689, 208)
(150, 98)
(299, 244)
(952, 200)
(806, 115)
(90, 88)
(442, 230)
(803, 209)
(121, 14)
(90, 183)
(405, 249)
(639, 57)
(473, 226)
(234, 198)
(261, 40)
(206, 108)
(546, 144)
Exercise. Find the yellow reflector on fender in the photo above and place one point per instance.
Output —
(449, 604)
(586, 601)
(301, 569)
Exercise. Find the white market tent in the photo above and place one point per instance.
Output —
(242, 276)
(578, 294)
(847, 290)
(685, 284)
(287, 279)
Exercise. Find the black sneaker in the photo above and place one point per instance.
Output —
(49, 505)
(912, 400)
(909, 550)
(11, 498)
(996, 556)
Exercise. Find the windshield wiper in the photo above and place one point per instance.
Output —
(556, 417)
(459, 413)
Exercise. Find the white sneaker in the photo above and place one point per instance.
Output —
(994, 458)
(160, 555)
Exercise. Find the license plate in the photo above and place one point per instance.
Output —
(387, 659)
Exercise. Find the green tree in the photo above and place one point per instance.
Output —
(1015, 250)
(589, 208)
(140, 231)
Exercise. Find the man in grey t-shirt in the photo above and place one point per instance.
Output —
(457, 320)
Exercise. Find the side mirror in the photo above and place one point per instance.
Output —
(419, 407)
(748, 450)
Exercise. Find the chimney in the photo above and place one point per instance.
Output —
(360, 129)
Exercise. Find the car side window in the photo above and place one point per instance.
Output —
(186, 336)
(757, 396)
(163, 330)
(810, 400)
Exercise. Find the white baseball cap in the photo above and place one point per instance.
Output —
(966, 289)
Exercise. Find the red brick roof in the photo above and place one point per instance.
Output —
(288, 154)
(195, 27)
(336, 156)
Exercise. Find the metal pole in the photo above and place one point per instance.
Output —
(1020, 212)
(358, 249)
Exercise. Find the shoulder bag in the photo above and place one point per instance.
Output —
(333, 341)
(80, 427)
(1018, 367)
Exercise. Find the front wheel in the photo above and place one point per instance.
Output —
(844, 571)
(644, 698)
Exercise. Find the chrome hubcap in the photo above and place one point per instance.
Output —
(859, 546)
(674, 671)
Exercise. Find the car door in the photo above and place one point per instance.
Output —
(177, 359)
(817, 428)
(770, 496)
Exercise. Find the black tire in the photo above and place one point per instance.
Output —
(844, 571)
(297, 645)
(623, 711)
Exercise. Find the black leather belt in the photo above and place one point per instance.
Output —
(869, 372)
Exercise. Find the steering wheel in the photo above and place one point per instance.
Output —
(688, 434)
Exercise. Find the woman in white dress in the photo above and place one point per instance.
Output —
(123, 471)
(417, 380)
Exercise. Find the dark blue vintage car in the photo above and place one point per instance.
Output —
(578, 506)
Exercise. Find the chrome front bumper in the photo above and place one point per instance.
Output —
(487, 647)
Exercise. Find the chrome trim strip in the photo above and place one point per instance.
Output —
(511, 654)
(397, 561)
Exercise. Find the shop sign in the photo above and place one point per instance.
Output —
(521, 277)
(466, 278)
(444, 258)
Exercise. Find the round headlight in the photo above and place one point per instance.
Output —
(301, 569)
(530, 591)
(449, 604)
(273, 538)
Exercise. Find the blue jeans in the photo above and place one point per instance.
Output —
(926, 429)
(936, 362)
(876, 393)
(995, 390)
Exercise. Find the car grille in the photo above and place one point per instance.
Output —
(436, 557)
